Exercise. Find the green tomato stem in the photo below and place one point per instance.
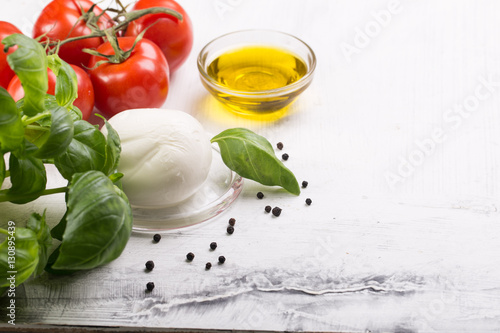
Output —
(129, 17)
(134, 15)
(118, 55)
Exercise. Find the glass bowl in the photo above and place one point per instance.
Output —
(217, 193)
(256, 101)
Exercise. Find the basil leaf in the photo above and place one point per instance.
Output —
(252, 156)
(99, 223)
(37, 136)
(87, 151)
(11, 126)
(28, 178)
(26, 254)
(116, 179)
(52, 260)
(113, 149)
(2, 170)
(60, 134)
(26, 149)
(66, 83)
(75, 113)
(58, 231)
(37, 223)
(29, 62)
(51, 103)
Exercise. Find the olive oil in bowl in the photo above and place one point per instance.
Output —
(255, 72)
(257, 68)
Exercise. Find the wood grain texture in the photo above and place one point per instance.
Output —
(419, 255)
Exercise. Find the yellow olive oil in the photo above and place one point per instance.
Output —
(254, 69)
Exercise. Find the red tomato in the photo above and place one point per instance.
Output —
(85, 100)
(15, 88)
(141, 81)
(58, 20)
(174, 37)
(6, 73)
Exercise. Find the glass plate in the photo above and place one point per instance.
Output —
(220, 189)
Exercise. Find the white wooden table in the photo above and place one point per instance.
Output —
(399, 138)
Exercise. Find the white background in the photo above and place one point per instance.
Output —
(402, 233)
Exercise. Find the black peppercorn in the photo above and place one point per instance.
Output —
(222, 259)
(308, 202)
(279, 145)
(230, 230)
(260, 195)
(232, 221)
(267, 209)
(190, 256)
(208, 265)
(304, 184)
(150, 265)
(157, 238)
(213, 245)
(285, 156)
(276, 211)
(150, 286)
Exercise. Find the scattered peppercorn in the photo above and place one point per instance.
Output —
(285, 156)
(277, 211)
(157, 238)
(208, 265)
(279, 145)
(308, 202)
(232, 221)
(222, 259)
(304, 184)
(213, 245)
(267, 209)
(260, 195)
(150, 265)
(190, 256)
(150, 286)
(230, 230)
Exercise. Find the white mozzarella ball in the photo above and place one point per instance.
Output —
(166, 155)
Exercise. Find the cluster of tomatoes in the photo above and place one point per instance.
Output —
(139, 81)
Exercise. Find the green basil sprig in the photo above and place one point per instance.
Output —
(11, 126)
(38, 224)
(28, 178)
(87, 151)
(30, 64)
(2, 169)
(41, 129)
(66, 83)
(252, 156)
(113, 150)
(93, 235)
(25, 244)
(29, 246)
